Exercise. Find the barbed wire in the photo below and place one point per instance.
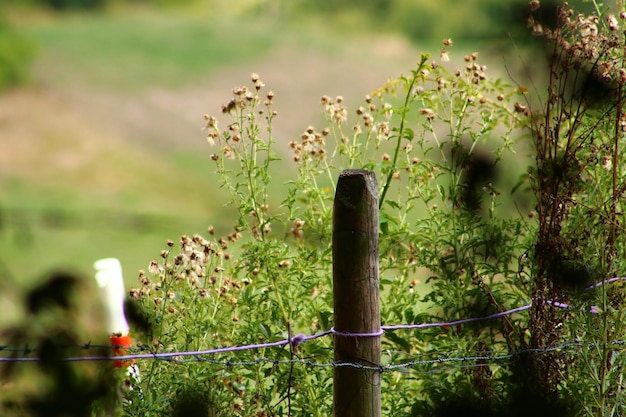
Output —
(482, 358)
(478, 359)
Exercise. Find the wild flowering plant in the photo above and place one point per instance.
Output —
(434, 138)
(458, 239)
(578, 132)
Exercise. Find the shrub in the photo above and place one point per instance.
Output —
(16, 54)
(453, 244)
(434, 148)
(73, 4)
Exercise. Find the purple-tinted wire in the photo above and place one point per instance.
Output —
(296, 340)
(301, 338)
(558, 304)
(606, 281)
(592, 309)
(456, 322)
(349, 334)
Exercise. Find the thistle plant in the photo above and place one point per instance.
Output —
(270, 278)
(446, 142)
(578, 130)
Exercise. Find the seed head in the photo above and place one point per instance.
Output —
(430, 115)
(612, 22)
(228, 107)
(520, 108)
(534, 5)
(154, 267)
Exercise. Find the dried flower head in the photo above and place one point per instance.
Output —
(534, 5)
(429, 113)
(154, 267)
(612, 22)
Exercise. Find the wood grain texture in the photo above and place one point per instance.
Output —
(356, 294)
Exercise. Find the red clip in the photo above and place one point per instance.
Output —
(120, 344)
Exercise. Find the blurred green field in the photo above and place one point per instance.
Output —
(142, 50)
(106, 156)
(105, 153)
(74, 189)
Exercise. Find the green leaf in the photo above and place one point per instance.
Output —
(384, 224)
(392, 204)
(265, 331)
(408, 134)
(523, 179)
(399, 341)
(324, 317)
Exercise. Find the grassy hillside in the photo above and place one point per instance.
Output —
(74, 191)
(106, 156)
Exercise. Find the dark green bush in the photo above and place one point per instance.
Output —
(16, 54)
(62, 5)
(74, 4)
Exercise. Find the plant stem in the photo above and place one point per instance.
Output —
(403, 113)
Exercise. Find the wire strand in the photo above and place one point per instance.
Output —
(301, 338)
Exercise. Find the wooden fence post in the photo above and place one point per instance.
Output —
(356, 295)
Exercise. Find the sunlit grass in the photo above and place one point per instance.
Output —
(141, 50)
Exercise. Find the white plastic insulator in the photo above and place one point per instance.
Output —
(111, 282)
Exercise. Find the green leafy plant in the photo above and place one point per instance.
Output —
(427, 136)
(454, 244)
(578, 133)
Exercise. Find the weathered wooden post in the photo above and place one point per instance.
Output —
(356, 295)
